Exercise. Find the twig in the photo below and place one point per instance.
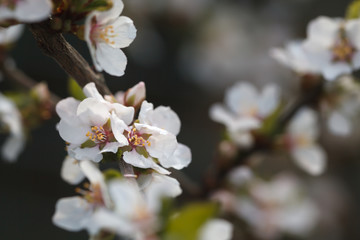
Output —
(54, 45)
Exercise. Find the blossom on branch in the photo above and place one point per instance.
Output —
(27, 11)
(105, 33)
(10, 34)
(245, 109)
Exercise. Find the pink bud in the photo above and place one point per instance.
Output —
(135, 95)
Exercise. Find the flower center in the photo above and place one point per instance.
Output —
(138, 140)
(93, 194)
(343, 50)
(101, 33)
(97, 134)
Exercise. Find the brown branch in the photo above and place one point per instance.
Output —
(54, 45)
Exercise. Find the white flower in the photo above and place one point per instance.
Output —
(10, 118)
(244, 110)
(10, 34)
(277, 207)
(295, 57)
(93, 126)
(334, 46)
(27, 11)
(71, 172)
(302, 134)
(107, 32)
(216, 229)
(153, 140)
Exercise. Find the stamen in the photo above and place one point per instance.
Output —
(97, 134)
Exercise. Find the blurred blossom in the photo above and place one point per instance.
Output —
(71, 172)
(245, 109)
(240, 176)
(11, 121)
(333, 45)
(27, 11)
(231, 44)
(216, 229)
(278, 207)
(301, 139)
(107, 32)
(10, 34)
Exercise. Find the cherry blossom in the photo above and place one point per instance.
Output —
(10, 119)
(333, 46)
(93, 126)
(152, 140)
(105, 33)
(71, 171)
(10, 34)
(301, 137)
(216, 229)
(245, 108)
(26, 11)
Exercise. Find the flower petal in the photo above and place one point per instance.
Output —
(241, 98)
(93, 112)
(66, 109)
(311, 159)
(140, 161)
(71, 172)
(216, 229)
(111, 60)
(332, 71)
(114, 12)
(72, 133)
(180, 159)
(352, 28)
(269, 100)
(339, 124)
(124, 32)
(118, 127)
(124, 113)
(324, 31)
(78, 153)
(91, 91)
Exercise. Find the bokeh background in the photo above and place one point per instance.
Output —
(187, 52)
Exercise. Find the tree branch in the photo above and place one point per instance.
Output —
(54, 45)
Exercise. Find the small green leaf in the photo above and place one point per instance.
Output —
(270, 121)
(88, 144)
(75, 90)
(185, 225)
(353, 10)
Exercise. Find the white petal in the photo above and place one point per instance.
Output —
(11, 34)
(140, 161)
(91, 91)
(242, 98)
(12, 147)
(356, 60)
(66, 109)
(331, 72)
(324, 31)
(71, 172)
(111, 147)
(124, 113)
(112, 60)
(305, 124)
(118, 126)
(92, 154)
(72, 133)
(311, 159)
(269, 100)
(216, 229)
(33, 10)
(114, 12)
(136, 94)
(339, 124)
(124, 32)
(352, 28)
(158, 186)
(72, 213)
(162, 147)
(180, 159)
(93, 112)
(91, 171)
(161, 117)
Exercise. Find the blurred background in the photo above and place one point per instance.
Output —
(187, 52)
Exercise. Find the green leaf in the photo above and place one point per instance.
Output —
(88, 144)
(353, 10)
(75, 90)
(186, 224)
(270, 121)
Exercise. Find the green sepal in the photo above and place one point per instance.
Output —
(75, 90)
(88, 144)
(142, 151)
(353, 10)
(111, 174)
(185, 224)
(121, 150)
(269, 123)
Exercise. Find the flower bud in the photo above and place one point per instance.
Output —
(135, 95)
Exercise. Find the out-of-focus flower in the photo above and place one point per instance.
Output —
(333, 45)
(27, 11)
(93, 126)
(278, 207)
(71, 171)
(295, 57)
(216, 229)
(153, 140)
(10, 34)
(301, 137)
(10, 120)
(244, 110)
(107, 32)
